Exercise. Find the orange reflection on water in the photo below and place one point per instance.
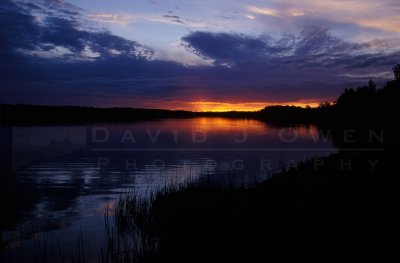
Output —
(108, 208)
(212, 125)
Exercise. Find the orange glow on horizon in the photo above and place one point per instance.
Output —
(250, 106)
(213, 106)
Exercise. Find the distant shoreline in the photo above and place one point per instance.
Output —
(22, 114)
(365, 105)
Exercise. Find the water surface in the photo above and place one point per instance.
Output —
(59, 182)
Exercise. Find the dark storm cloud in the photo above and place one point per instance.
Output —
(224, 47)
(22, 30)
(62, 32)
(313, 47)
(17, 29)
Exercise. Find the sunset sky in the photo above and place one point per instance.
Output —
(193, 55)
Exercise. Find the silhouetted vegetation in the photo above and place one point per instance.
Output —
(310, 213)
(344, 205)
(36, 115)
(341, 206)
(396, 71)
(29, 114)
(363, 105)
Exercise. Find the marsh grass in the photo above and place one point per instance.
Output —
(46, 249)
(142, 219)
(124, 240)
(300, 212)
(134, 209)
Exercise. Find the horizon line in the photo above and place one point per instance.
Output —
(302, 105)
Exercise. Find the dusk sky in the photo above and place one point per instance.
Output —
(193, 55)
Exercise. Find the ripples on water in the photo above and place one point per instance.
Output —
(61, 182)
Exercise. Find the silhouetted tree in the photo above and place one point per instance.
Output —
(346, 98)
(372, 86)
(360, 100)
(396, 71)
(324, 105)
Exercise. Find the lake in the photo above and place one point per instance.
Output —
(60, 183)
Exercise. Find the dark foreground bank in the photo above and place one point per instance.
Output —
(342, 206)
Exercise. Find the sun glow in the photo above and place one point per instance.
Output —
(250, 106)
(209, 106)
(223, 106)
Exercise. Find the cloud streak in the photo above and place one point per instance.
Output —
(382, 15)
(312, 47)
(126, 19)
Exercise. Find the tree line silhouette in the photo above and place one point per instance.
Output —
(364, 104)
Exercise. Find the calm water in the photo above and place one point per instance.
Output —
(59, 181)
